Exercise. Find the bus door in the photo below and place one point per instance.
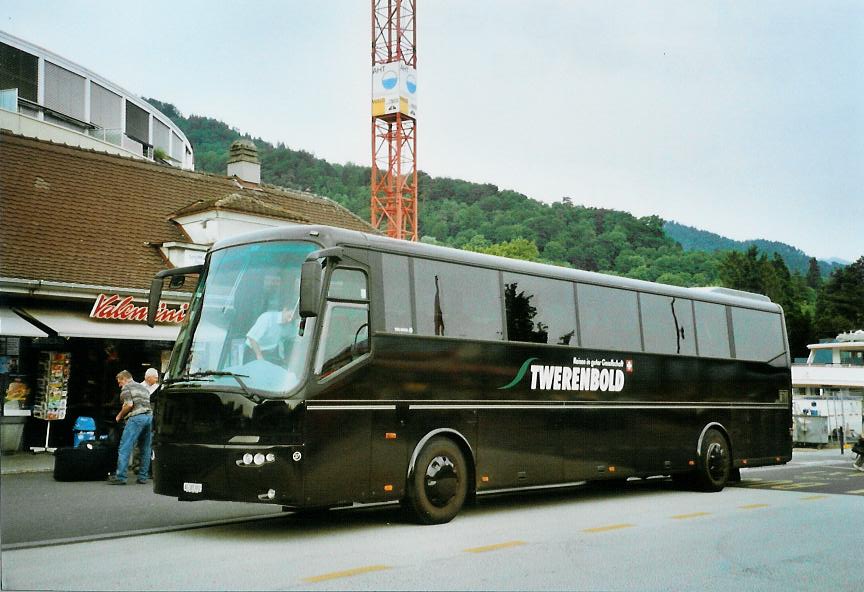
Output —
(338, 421)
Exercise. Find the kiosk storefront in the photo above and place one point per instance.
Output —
(59, 361)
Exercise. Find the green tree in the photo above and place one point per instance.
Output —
(814, 275)
(518, 248)
(840, 304)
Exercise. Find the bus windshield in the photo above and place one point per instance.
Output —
(244, 328)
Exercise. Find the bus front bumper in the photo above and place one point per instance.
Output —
(243, 473)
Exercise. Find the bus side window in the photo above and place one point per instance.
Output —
(454, 300)
(667, 324)
(609, 318)
(345, 337)
(758, 335)
(712, 330)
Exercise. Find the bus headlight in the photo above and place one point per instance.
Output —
(257, 459)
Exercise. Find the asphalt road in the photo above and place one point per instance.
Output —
(835, 477)
(645, 536)
(34, 508)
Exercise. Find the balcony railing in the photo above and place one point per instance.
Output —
(112, 136)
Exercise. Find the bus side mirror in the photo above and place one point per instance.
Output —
(153, 302)
(178, 278)
(311, 275)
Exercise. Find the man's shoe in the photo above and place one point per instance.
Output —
(141, 481)
(116, 482)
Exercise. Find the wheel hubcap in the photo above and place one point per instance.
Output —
(716, 461)
(441, 481)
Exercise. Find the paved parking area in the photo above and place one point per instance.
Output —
(817, 471)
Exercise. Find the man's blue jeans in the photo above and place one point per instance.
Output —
(138, 428)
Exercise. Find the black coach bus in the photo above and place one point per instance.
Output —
(320, 367)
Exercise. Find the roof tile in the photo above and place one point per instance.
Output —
(84, 217)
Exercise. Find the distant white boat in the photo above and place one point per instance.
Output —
(828, 391)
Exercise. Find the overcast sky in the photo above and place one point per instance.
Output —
(742, 118)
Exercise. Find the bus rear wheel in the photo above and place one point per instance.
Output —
(439, 484)
(715, 462)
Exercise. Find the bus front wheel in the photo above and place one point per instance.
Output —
(715, 462)
(439, 484)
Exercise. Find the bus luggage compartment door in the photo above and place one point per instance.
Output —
(519, 448)
(336, 469)
(389, 457)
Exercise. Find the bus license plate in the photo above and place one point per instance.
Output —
(192, 487)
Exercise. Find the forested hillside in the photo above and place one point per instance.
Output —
(483, 217)
(694, 239)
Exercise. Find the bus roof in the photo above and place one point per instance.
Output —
(328, 236)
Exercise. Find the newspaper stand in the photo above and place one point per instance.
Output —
(52, 390)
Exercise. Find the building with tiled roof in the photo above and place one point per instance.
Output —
(82, 232)
(66, 212)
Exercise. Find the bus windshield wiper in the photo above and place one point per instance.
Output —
(204, 374)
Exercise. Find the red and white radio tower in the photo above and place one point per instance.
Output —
(394, 118)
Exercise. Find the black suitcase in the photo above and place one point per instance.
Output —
(91, 461)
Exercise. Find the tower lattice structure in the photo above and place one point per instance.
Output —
(394, 122)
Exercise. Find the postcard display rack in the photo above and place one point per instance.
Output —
(52, 388)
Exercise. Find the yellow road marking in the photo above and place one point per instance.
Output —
(804, 485)
(495, 547)
(688, 516)
(753, 506)
(857, 491)
(607, 528)
(761, 483)
(811, 498)
(345, 574)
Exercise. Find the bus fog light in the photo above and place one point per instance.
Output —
(271, 494)
(258, 460)
(270, 457)
(247, 458)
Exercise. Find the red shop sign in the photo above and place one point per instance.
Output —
(113, 307)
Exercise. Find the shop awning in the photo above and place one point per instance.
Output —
(14, 326)
(77, 324)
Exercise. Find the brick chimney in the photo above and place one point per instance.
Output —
(243, 162)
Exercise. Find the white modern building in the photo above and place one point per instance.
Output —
(828, 390)
(46, 96)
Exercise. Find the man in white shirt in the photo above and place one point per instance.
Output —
(151, 383)
(267, 335)
(151, 379)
